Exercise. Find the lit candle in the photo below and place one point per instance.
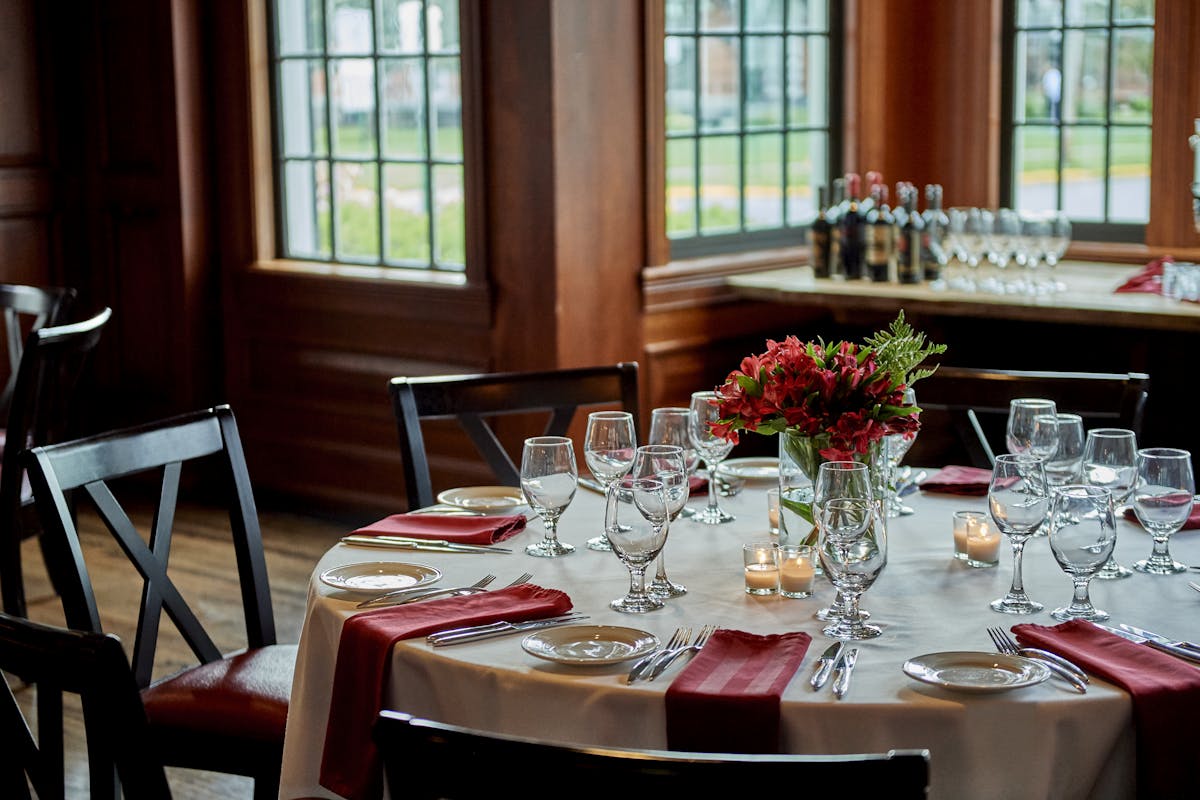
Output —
(762, 577)
(762, 567)
(773, 519)
(966, 523)
(983, 546)
(796, 575)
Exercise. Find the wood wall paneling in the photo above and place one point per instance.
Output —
(1176, 102)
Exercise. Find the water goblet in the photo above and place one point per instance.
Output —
(549, 476)
(853, 551)
(1083, 532)
(713, 449)
(1032, 427)
(1110, 460)
(608, 447)
(1162, 499)
(640, 543)
(1065, 465)
(895, 447)
(1018, 499)
(670, 426)
(838, 479)
(666, 463)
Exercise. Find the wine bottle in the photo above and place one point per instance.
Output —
(933, 249)
(818, 237)
(852, 228)
(881, 253)
(909, 233)
(835, 230)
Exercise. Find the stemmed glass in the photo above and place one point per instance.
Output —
(640, 543)
(895, 448)
(664, 462)
(852, 548)
(1162, 500)
(1006, 229)
(1056, 245)
(608, 447)
(1032, 427)
(838, 479)
(549, 476)
(1018, 499)
(670, 426)
(712, 449)
(1110, 461)
(1064, 465)
(1083, 532)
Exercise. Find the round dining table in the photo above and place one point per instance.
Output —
(1040, 741)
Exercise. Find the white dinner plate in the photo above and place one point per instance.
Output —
(753, 470)
(590, 644)
(378, 576)
(976, 672)
(489, 499)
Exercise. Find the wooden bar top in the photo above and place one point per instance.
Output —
(1088, 300)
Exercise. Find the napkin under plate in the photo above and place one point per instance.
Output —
(461, 530)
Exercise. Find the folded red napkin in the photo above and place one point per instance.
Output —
(727, 699)
(451, 527)
(959, 480)
(1148, 279)
(1193, 520)
(1164, 689)
(350, 764)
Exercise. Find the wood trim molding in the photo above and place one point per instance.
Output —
(1176, 103)
(658, 248)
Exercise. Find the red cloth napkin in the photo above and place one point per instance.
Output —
(1148, 279)
(1164, 689)
(727, 699)
(1193, 520)
(451, 527)
(959, 480)
(350, 764)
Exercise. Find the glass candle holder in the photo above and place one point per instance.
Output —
(983, 545)
(773, 511)
(761, 567)
(796, 570)
(964, 523)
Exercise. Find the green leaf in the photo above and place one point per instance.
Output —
(749, 385)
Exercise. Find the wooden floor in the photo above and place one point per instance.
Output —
(202, 566)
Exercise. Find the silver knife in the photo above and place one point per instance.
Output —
(825, 664)
(841, 673)
(1178, 652)
(1158, 637)
(434, 545)
(509, 628)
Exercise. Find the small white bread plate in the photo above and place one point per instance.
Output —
(488, 499)
(754, 470)
(589, 645)
(976, 672)
(378, 576)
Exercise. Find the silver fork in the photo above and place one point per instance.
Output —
(461, 590)
(701, 639)
(1194, 585)
(1058, 665)
(400, 595)
(678, 639)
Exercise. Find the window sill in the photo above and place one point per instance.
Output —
(363, 272)
(1126, 253)
(701, 281)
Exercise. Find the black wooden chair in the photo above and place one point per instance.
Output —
(471, 398)
(492, 767)
(93, 666)
(38, 413)
(227, 714)
(948, 437)
(26, 309)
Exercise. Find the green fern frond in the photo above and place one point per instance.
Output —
(900, 350)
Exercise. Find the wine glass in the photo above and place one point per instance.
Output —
(1006, 229)
(895, 447)
(549, 476)
(666, 463)
(670, 426)
(713, 449)
(1065, 465)
(838, 479)
(608, 450)
(1162, 499)
(1083, 532)
(853, 550)
(1110, 460)
(1056, 245)
(1032, 427)
(1018, 499)
(640, 542)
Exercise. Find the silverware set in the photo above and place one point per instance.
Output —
(1188, 651)
(415, 594)
(837, 662)
(475, 633)
(680, 644)
(1058, 666)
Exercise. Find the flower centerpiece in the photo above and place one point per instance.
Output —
(831, 402)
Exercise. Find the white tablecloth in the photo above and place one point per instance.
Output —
(1044, 741)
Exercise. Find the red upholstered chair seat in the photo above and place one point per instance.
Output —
(244, 696)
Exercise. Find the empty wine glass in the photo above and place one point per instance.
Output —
(713, 449)
(853, 550)
(1006, 229)
(609, 443)
(640, 542)
(670, 426)
(549, 476)
(1110, 460)
(1018, 499)
(838, 479)
(666, 463)
(1162, 499)
(1065, 465)
(895, 447)
(1056, 245)
(1032, 427)
(1083, 532)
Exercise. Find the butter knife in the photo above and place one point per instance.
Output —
(841, 673)
(1159, 638)
(825, 664)
(1178, 652)
(404, 543)
(506, 629)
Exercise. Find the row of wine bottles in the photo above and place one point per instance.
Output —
(863, 238)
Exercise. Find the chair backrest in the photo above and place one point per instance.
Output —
(948, 436)
(89, 464)
(39, 413)
(471, 398)
(441, 750)
(26, 309)
(93, 666)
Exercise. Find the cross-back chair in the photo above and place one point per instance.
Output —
(43, 388)
(442, 750)
(472, 398)
(93, 666)
(948, 435)
(26, 309)
(226, 714)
